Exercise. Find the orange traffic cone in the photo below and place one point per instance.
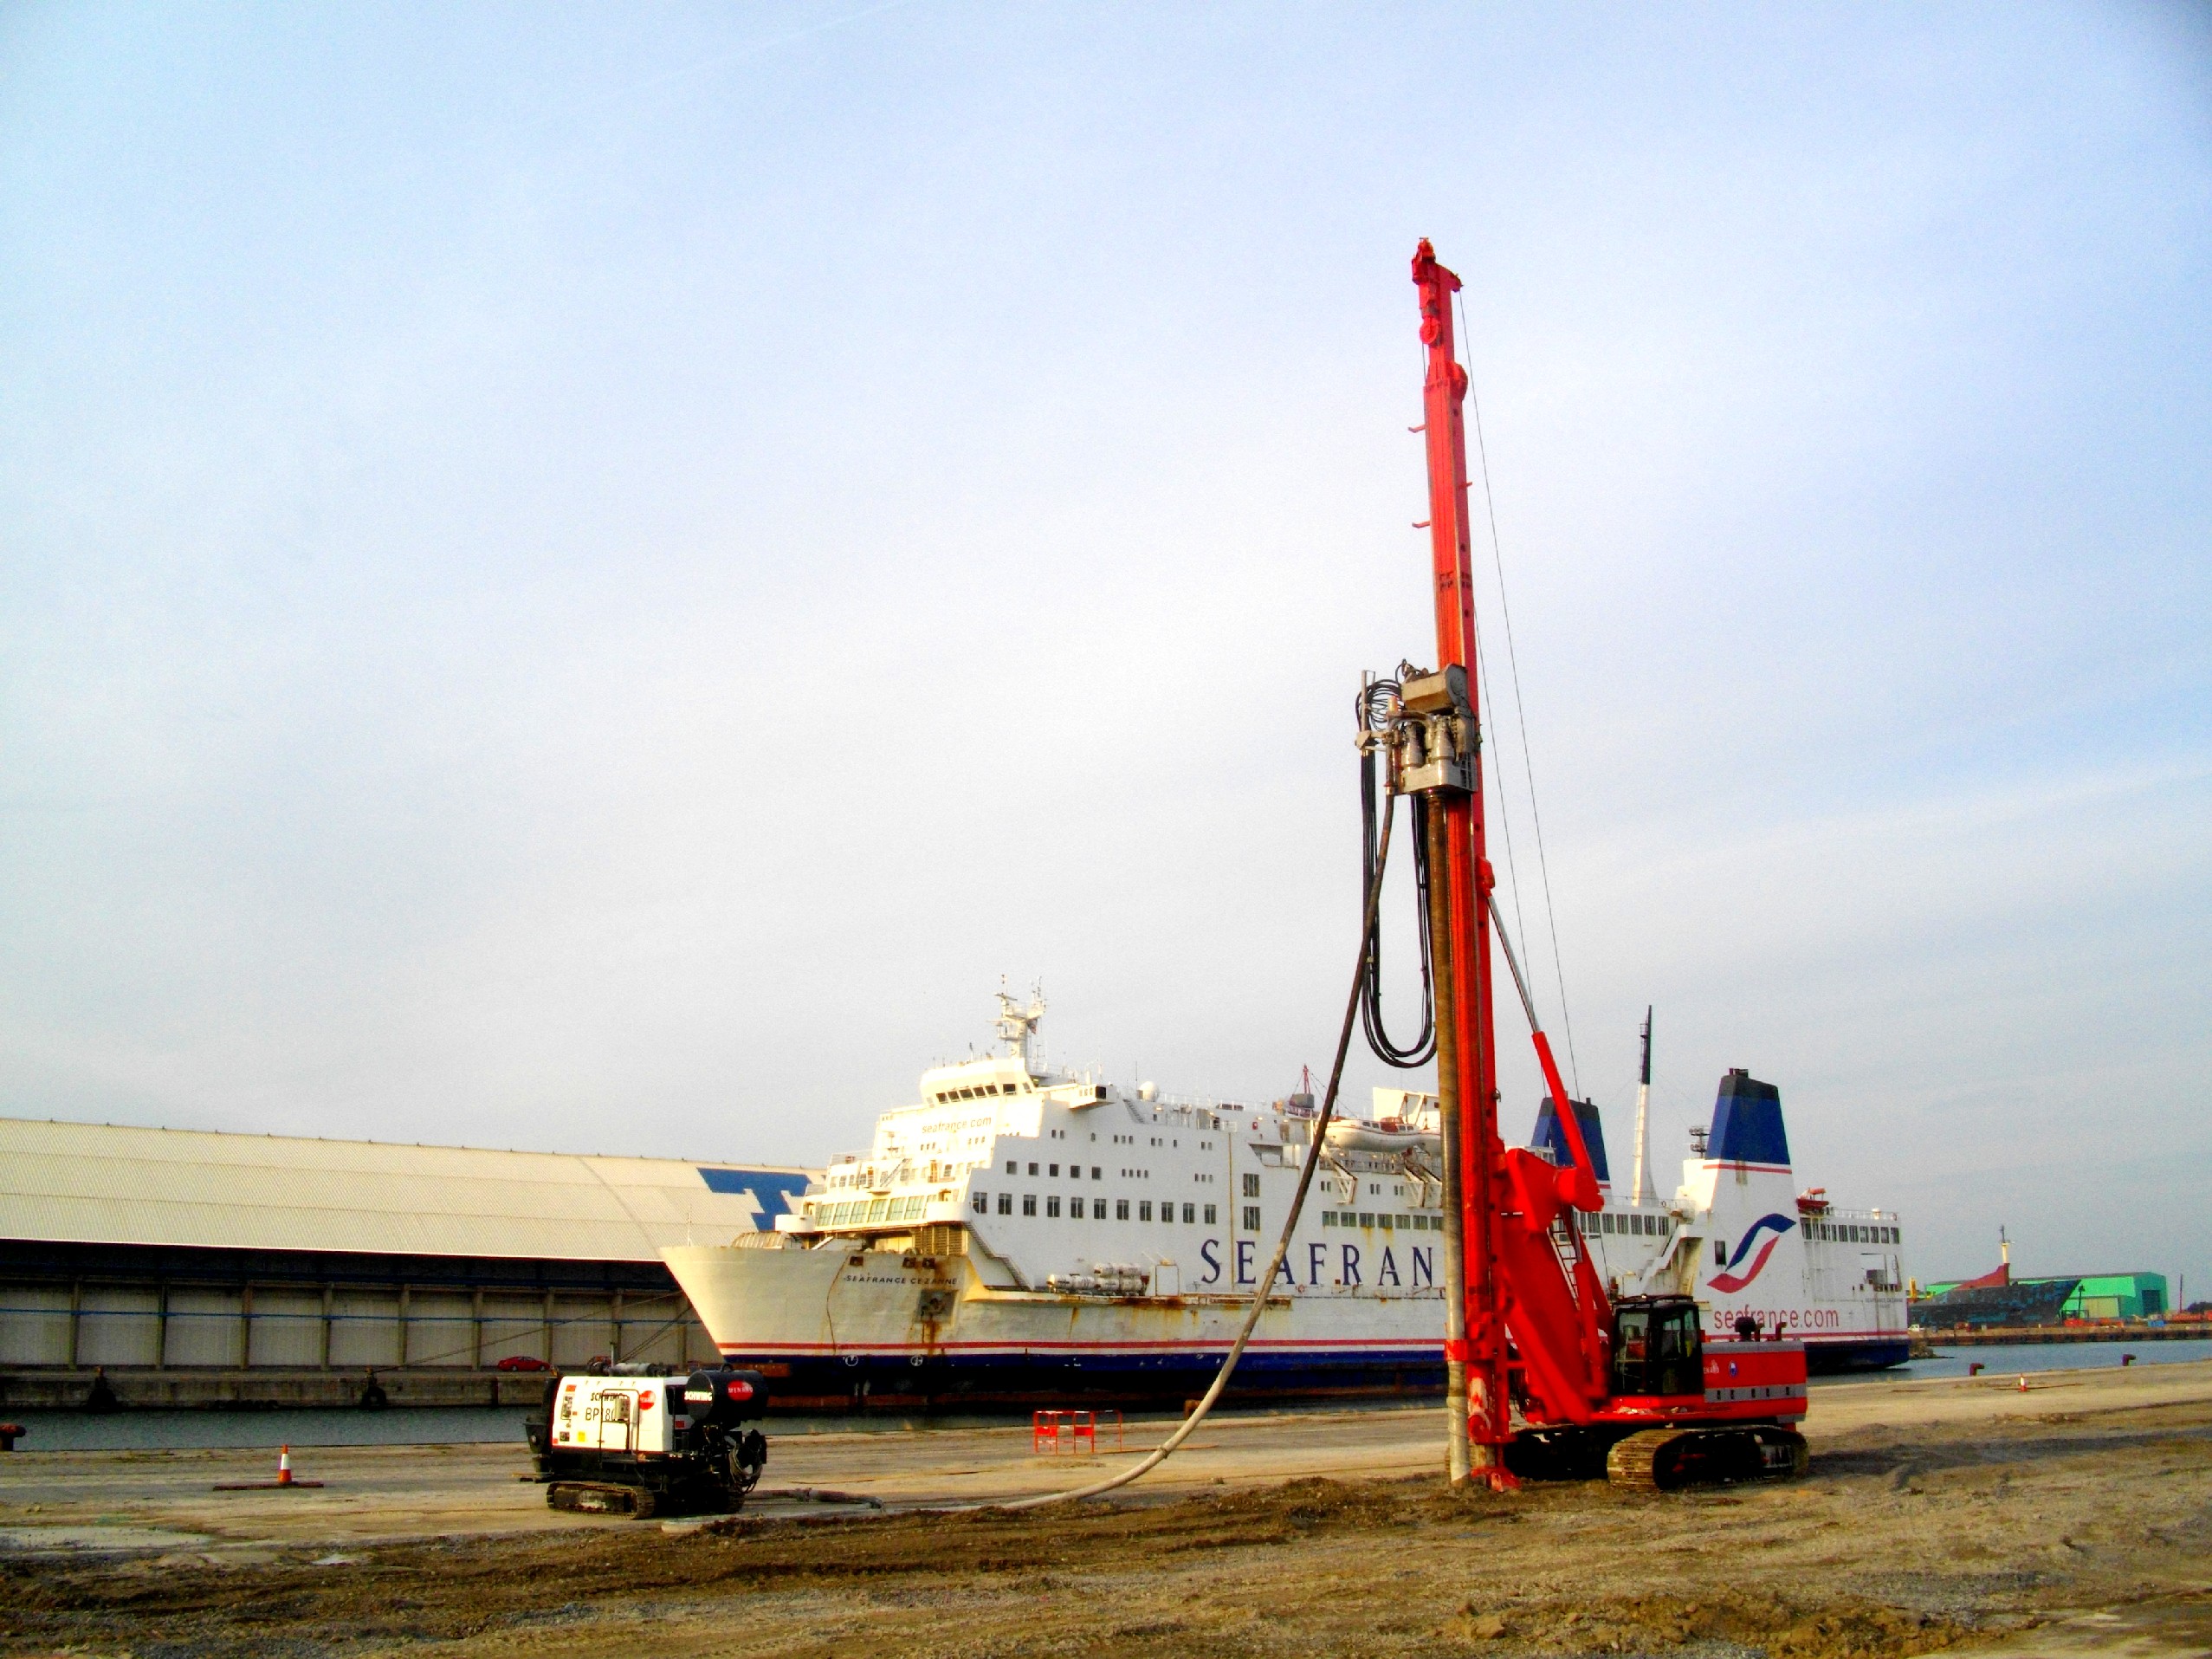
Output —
(284, 1482)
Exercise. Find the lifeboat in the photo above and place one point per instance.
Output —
(1390, 1135)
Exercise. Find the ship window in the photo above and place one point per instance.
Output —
(1366, 1218)
(1385, 1223)
(1328, 1218)
(1033, 1169)
(1190, 1213)
(1053, 1205)
(981, 1203)
(1251, 1218)
(1252, 1185)
(1144, 1210)
(1097, 1174)
(1098, 1208)
(1011, 1169)
(1168, 1210)
(1005, 1203)
(1052, 1168)
(1720, 1253)
(1121, 1209)
(1209, 1214)
(1029, 1203)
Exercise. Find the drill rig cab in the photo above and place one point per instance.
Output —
(1659, 1349)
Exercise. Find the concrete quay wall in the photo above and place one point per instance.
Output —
(260, 1389)
(1994, 1335)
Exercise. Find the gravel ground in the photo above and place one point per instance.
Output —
(2075, 1517)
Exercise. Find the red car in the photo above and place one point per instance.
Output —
(522, 1362)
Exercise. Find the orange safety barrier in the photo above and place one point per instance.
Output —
(1074, 1433)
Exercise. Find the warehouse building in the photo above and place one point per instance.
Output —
(2000, 1299)
(171, 1267)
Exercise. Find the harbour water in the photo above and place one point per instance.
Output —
(2016, 1359)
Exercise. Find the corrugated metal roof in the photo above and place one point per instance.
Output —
(110, 1184)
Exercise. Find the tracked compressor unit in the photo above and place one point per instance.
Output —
(632, 1441)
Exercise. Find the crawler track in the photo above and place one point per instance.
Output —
(1666, 1459)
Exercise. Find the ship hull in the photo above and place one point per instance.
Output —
(885, 1331)
(834, 1331)
(1839, 1356)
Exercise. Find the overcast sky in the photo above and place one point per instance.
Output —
(590, 579)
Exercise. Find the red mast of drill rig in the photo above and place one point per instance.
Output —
(1528, 1325)
(1475, 1345)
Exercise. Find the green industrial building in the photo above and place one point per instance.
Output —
(2100, 1296)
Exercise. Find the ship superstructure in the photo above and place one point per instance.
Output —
(1026, 1235)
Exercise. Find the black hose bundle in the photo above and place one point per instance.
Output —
(1375, 704)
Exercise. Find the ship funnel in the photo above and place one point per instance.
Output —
(1550, 1137)
(1747, 1123)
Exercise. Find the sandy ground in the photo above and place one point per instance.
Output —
(2074, 1518)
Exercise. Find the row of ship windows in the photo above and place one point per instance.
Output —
(945, 1097)
(981, 1203)
(1628, 1222)
(1383, 1219)
(1075, 1172)
(869, 1209)
(1852, 1233)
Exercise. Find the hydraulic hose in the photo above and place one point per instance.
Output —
(1377, 699)
(1188, 1427)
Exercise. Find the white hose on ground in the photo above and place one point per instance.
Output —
(1160, 1453)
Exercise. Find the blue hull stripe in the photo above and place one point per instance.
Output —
(1172, 1376)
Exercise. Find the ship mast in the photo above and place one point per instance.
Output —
(1017, 1024)
(1639, 1190)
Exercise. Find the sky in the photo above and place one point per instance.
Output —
(592, 579)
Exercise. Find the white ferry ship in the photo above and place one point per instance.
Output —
(1023, 1235)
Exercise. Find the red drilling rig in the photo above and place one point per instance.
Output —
(1547, 1374)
